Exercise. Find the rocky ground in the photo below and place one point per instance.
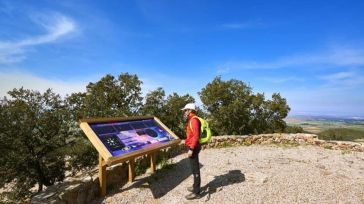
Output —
(255, 174)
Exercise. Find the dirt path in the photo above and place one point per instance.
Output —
(255, 174)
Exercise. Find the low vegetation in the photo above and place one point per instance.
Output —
(294, 129)
(343, 134)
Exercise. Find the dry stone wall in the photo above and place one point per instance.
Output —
(85, 187)
(284, 139)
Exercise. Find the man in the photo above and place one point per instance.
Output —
(194, 147)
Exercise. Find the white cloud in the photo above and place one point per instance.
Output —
(344, 79)
(279, 80)
(11, 80)
(242, 25)
(337, 56)
(224, 69)
(338, 76)
(236, 25)
(56, 26)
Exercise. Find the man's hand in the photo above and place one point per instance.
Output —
(189, 153)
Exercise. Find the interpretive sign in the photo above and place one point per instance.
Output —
(119, 138)
(123, 139)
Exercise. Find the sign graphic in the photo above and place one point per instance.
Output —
(120, 138)
(123, 137)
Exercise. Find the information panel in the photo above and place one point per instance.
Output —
(125, 136)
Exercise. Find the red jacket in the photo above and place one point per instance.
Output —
(192, 134)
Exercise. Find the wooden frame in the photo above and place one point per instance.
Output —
(106, 158)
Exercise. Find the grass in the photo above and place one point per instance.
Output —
(225, 145)
(163, 162)
(346, 152)
(166, 163)
(247, 143)
(140, 169)
(342, 134)
(327, 146)
(286, 144)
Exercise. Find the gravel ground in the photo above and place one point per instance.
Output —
(255, 174)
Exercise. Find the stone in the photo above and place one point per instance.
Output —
(320, 166)
(264, 179)
(49, 195)
(319, 142)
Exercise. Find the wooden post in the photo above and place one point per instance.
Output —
(102, 176)
(152, 162)
(131, 170)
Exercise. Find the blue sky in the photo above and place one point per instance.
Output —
(312, 52)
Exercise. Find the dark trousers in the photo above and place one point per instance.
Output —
(195, 168)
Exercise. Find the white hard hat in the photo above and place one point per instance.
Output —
(190, 106)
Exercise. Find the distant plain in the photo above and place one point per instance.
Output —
(351, 128)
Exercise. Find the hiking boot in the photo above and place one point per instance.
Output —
(190, 189)
(192, 196)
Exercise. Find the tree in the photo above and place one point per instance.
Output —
(33, 134)
(108, 97)
(233, 109)
(278, 109)
(173, 117)
(154, 103)
(228, 105)
(258, 119)
(167, 110)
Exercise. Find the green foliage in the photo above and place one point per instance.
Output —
(258, 120)
(343, 134)
(140, 167)
(33, 135)
(226, 145)
(347, 151)
(327, 146)
(247, 142)
(228, 105)
(277, 109)
(167, 109)
(233, 109)
(173, 117)
(293, 129)
(82, 155)
(165, 163)
(154, 103)
(108, 97)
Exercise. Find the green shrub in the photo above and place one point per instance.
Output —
(165, 163)
(293, 129)
(343, 134)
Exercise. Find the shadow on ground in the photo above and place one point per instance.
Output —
(165, 180)
(232, 177)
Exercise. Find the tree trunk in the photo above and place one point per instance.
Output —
(41, 177)
(40, 186)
